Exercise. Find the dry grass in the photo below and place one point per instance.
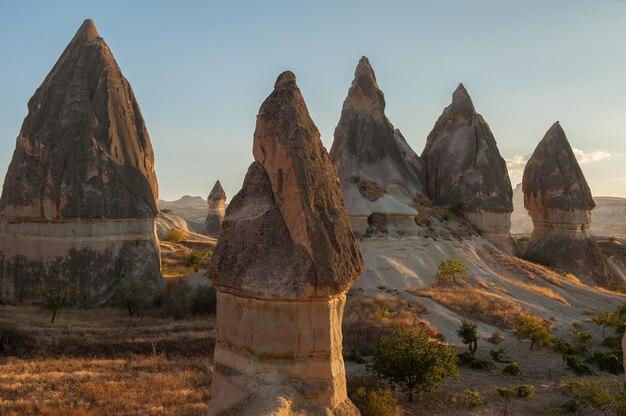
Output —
(475, 303)
(100, 362)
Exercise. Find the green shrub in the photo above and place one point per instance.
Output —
(579, 336)
(409, 359)
(611, 362)
(179, 299)
(14, 341)
(468, 332)
(482, 364)
(449, 269)
(523, 390)
(465, 358)
(133, 295)
(535, 330)
(474, 398)
(575, 363)
(198, 259)
(355, 357)
(513, 369)
(500, 356)
(175, 235)
(371, 396)
(561, 346)
(382, 313)
(614, 343)
(606, 396)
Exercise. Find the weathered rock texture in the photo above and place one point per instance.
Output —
(283, 263)
(80, 195)
(217, 202)
(559, 201)
(465, 171)
(381, 176)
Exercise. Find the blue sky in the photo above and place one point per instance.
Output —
(201, 69)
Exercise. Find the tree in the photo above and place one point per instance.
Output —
(468, 332)
(132, 295)
(605, 319)
(57, 295)
(449, 269)
(535, 330)
(407, 358)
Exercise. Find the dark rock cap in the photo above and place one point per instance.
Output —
(217, 194)
(553, 177)
(83, 149)
(463, 163)
(367, 145)
(304, 217)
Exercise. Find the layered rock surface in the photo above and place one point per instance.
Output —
(217, 202)
(80, 195)
(284, 260)
(464, 170)
(559, 201)
(381, 176)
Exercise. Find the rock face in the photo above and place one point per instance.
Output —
(167, 222)
(217, 202)
(381, 176)
(464, 170)
(80, 195)
(283, 263)
(559, 201)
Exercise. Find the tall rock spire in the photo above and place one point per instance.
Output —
(83, 172)
(464, 169)
(285, 259)
(559, 201)
(380, 174)
(217, 202)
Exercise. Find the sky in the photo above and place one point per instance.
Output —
(201, 69)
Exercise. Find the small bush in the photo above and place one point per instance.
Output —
(465, 358)
(14, 341)
(198, 259)
(495, 338)
(611, 362)
(474, 398)
(579, 336)
(355, 357)
(523, 390)
(535, 330)
(614, 343)
(606, 396)
(482, 364)
(512, 369)
(175, 235)
(133, 295)
(372, 397)
(355, 179)
(382, 313)
(575, 364)
(449, 269)
(500, 356)
(179, 299)
(204, 301)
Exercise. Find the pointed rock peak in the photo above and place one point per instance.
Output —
(287, 78)
(364, 71)
(461, 101)
(556, 140)
(556, 132)
(217, 193)
(87, 31)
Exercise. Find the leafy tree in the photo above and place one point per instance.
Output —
(605, 319)
(372, 396)
(132, 294)
(606, 396)
(523, 390)
(535, 330)
(468, 332)
(449, 269)
(409, 359)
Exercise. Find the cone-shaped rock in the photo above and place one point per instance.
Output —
(559, 201)
(381, 176)
(217, 202)
(81, 189)
(464, 169)
(282, 265)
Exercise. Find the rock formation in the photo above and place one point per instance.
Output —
(166, 222)
(80, 195)
(559, 202)
(464, 170)
(282, 265)
(381, 177)
(216, 201)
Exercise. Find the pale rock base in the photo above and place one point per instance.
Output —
(90, 256)
(276, 358)
(494, 227)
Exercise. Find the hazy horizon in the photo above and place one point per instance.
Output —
(201, 71)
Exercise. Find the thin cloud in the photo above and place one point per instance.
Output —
(516, 164)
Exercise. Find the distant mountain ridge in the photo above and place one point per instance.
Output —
(608, 219)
